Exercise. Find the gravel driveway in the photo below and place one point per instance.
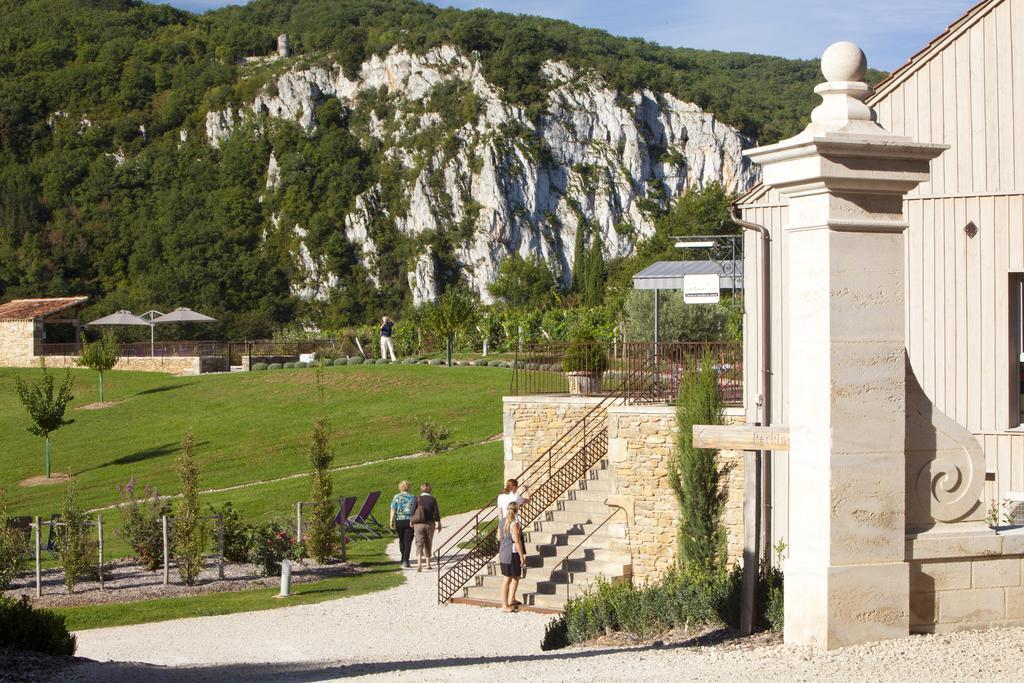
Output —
(403, 632)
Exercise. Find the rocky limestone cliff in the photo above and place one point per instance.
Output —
(594, 159)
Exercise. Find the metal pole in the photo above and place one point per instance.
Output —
(99, 534)
(163, 528)
(39, 572)
(220, 545)
(344, 536)
(298, 522)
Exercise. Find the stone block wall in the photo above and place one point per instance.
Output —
(533, 423)
(17, 344)
(968, 581)
(641, 442)
(174, 365)
(641, 447)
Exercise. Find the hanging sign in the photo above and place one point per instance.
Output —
(701, 289)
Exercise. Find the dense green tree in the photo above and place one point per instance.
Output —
(321, 537)
(452, 313)
(189, 526)
(524, 283)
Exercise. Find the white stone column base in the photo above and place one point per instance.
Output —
(846, 605)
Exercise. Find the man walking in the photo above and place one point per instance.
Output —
(385, 338)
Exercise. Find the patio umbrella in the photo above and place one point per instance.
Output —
(182, 315)
(125, 318)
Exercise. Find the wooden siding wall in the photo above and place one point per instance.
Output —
(970, 95)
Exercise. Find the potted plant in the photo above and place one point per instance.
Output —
(585, 362)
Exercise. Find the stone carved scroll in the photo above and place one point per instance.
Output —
(945, 465)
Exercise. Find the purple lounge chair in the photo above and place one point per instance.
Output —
(345, 511)
(364, 523)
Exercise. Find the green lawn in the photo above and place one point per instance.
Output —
(247, 426)
(255, 426)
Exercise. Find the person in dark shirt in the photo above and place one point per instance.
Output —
(426, 518)
(386, 346)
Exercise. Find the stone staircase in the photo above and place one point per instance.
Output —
(555, 535)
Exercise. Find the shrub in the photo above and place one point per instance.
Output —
(340, 361)
(435, 435)
(141, 527)
(269, 545)
(13, 547)
(585, 354)
(437, 361)
(73, 547)
(302, 364)
(408, 361)
(480, 362)
(236, 540)
(320, 539)
(423, 362)
(259, 366)
(289, 366)
(189, 528)
(383, 361)
(100, 355)
(37, 630)
(355, 360)
(556, 634)
(274, 366)
(695, 476)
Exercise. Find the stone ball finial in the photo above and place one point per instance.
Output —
(843, 61)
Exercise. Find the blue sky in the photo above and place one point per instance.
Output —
(888, 30)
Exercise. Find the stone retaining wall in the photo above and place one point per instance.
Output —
(967, 581)
(186, 365)
(641, 444)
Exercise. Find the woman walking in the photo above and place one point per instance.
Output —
(401, 513)
(426, 518)
(512, 556)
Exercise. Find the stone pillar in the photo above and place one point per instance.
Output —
(284, 46)
(844, 176)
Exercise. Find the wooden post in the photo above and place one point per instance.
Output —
(298, 522)
(751, 541)
(99, 535)
(220, 546)
(163, 526)
(39, 573)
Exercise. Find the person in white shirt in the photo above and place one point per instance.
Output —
(509, 495)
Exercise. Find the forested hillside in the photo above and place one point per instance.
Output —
(137, 165)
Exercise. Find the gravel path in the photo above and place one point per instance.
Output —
(403, 631)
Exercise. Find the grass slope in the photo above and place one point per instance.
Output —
(247, 426)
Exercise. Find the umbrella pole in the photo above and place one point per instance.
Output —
(151, 328)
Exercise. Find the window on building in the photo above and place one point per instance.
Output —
(1017, 353)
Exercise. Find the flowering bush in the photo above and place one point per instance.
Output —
(141, 527)
(269, 545)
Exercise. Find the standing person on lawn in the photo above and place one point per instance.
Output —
(426, 518)
(401, 513)
(386, 325)
(512, 556)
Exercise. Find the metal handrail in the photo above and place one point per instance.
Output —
(477, 534)
(565, 561)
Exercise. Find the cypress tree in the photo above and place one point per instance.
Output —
(595, 274)
(579, 260)
(320, 540)
(695, 475)
(189, 529)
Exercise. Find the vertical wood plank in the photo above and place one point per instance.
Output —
(1016, 23)
(985, 370)
(963, 341)
(912, 288)
(1016, 462)
(977, 102)
(949, 120)
(1001, 319)
(991, 129)
(1004, 93)
(927, 299)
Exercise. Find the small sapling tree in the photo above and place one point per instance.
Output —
(189, 528)
(453, 312)
(73, 539)
(320, 542)
(45, 404)
(100, 355)
(695, 475)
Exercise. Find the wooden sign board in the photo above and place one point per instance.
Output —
(741, 437)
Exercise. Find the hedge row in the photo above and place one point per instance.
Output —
(356, 360)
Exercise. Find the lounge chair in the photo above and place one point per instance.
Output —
(364, 523)
(345, 511)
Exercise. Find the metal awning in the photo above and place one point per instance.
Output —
(669, 274)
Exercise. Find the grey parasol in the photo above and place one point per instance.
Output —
(183, 315)
(120, 318)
